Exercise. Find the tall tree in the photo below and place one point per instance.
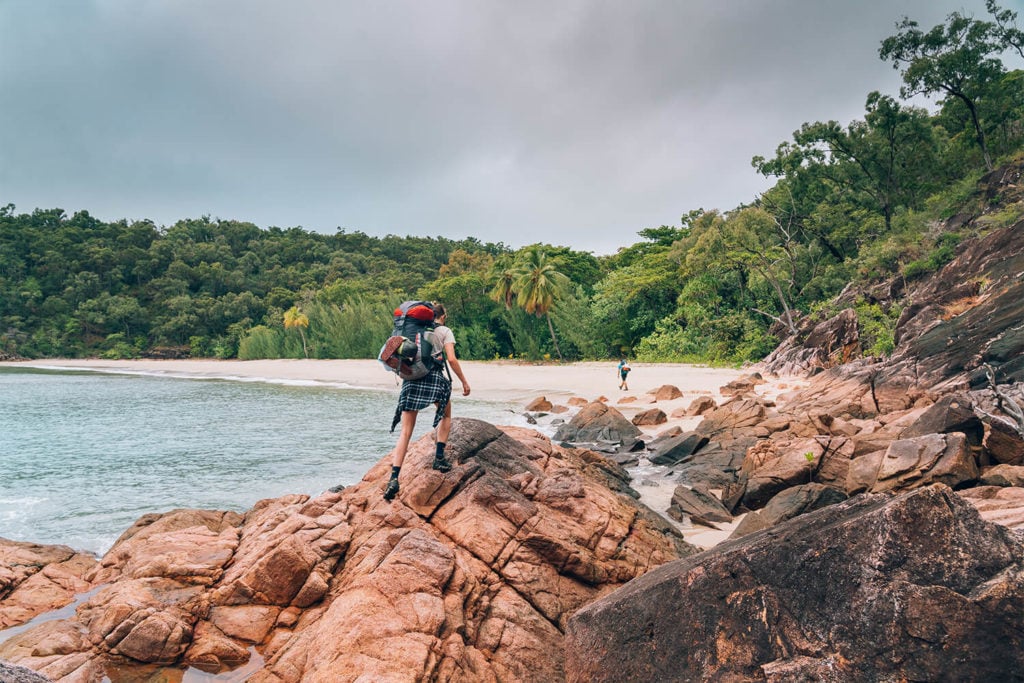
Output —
(539, 286)
(294, 318)
(883, 162)
(504, 276)
(958, 59)
(1006, 27)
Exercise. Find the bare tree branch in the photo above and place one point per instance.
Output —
(1005, 403)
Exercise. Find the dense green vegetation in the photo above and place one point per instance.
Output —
(850, 204)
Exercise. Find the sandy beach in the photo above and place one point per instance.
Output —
(491, 380)
(514, 382)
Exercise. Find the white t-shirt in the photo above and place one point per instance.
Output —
(443, 335)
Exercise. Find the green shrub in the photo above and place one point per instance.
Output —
(116, 347)
(877, 327)
(260, 342)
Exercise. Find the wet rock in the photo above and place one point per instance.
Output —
(38, 578)
(822, 593)
(539, 405)
(715, 466)
(466, 575)
(599, 422)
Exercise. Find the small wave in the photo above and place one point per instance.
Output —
(26, 500)
(163, 374)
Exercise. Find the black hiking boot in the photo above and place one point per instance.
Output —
(441, 464)
(392, 490)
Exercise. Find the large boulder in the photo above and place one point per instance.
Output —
(698, 505)
(1003, 443)
(466, 575)
(598, 422)
(911, 587)
(698, 406)
(730, 420)
(772, 467)
(951, 413)
(666, 392)
(651, 417)
(742, 385)
(716, 465)
(539, 405)
(923, 460)
(673, 449)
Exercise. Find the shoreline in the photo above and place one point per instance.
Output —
(498, 380)
(514, 382)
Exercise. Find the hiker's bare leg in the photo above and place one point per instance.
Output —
(444, 427)
(408, 423)
(404, 436)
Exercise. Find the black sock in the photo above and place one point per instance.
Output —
(394, 472)
(440, 450)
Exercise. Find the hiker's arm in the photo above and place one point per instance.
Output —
(453, 362)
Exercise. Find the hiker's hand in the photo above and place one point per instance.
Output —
(465, 389)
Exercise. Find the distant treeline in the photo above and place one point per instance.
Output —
(850, 204)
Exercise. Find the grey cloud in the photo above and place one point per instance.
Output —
(576, 122)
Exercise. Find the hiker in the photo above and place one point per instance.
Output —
(623, 371)
(417, 394)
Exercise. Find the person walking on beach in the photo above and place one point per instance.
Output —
(417, 394)
(623, 372)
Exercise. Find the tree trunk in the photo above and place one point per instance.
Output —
(553, 339)
(978, 130)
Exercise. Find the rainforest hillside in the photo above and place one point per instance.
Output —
(851, 203)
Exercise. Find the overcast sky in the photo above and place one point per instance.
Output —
(573, 123)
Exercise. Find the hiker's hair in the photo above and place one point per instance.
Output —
(438, 309)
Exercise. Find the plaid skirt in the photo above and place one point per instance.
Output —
(417, 394)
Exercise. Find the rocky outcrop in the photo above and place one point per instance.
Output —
(816, 346)
(912, 587)
(598, 424)
(469, 575)
(38, 578)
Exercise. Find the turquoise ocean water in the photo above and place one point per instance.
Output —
(83, 454)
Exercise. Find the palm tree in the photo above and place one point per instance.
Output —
(538, 285)
(504, 291)
(293, 317)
